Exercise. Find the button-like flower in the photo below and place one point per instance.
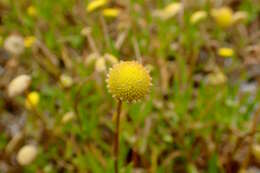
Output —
(31, 11)
(29, 41)
(32, 100)
(225, 52)
(128, 81)
(223, 16)
(111, 12)
(93, 5)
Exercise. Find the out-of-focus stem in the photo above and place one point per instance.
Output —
(116, 140)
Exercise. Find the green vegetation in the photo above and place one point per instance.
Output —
(201, 116)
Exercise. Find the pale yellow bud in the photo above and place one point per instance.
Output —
(91, 59)
(66, 81)
(111, 58)
(240, 16)
(198, 16)
(18, 85)
(256, 151)
(67, 117)
(100, 65)
(217, 78)
(169, 11)
(26, 155)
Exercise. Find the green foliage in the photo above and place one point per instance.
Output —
(180, 127)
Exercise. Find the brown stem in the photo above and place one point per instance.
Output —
(116, 140)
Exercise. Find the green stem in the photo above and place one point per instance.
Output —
(116, 140)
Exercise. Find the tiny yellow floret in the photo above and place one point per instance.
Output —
(111, 12)
(32, 100)
(128, 81)
(31, 11)
(225, 52)
(29, 41)
(93, 5)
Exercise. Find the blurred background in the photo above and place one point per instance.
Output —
(201, 116)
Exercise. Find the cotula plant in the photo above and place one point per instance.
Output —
(127, 81)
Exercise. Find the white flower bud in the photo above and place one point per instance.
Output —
(26, 155)
(14, 44)
(18, 85)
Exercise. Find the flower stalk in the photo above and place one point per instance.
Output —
(116, 139)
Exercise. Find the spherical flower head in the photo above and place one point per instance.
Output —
(128, 81)
(32, 100)
(223, 16)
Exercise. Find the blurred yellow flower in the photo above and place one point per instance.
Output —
(198, 16)
(169, 11)
(240, 16)
(225, 52)
(29, 41)
(100, 65)
(111, 58)
(66, 81)
(111, 12)
(93, 5)
(32, 100)
(31, 11)
(223, 16)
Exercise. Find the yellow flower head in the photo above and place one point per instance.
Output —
(225, 52)
(29, 41)
(32, 100)
(111, 12)
(31, 11)
(223, 16)
(93, 5)
(128, 81)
